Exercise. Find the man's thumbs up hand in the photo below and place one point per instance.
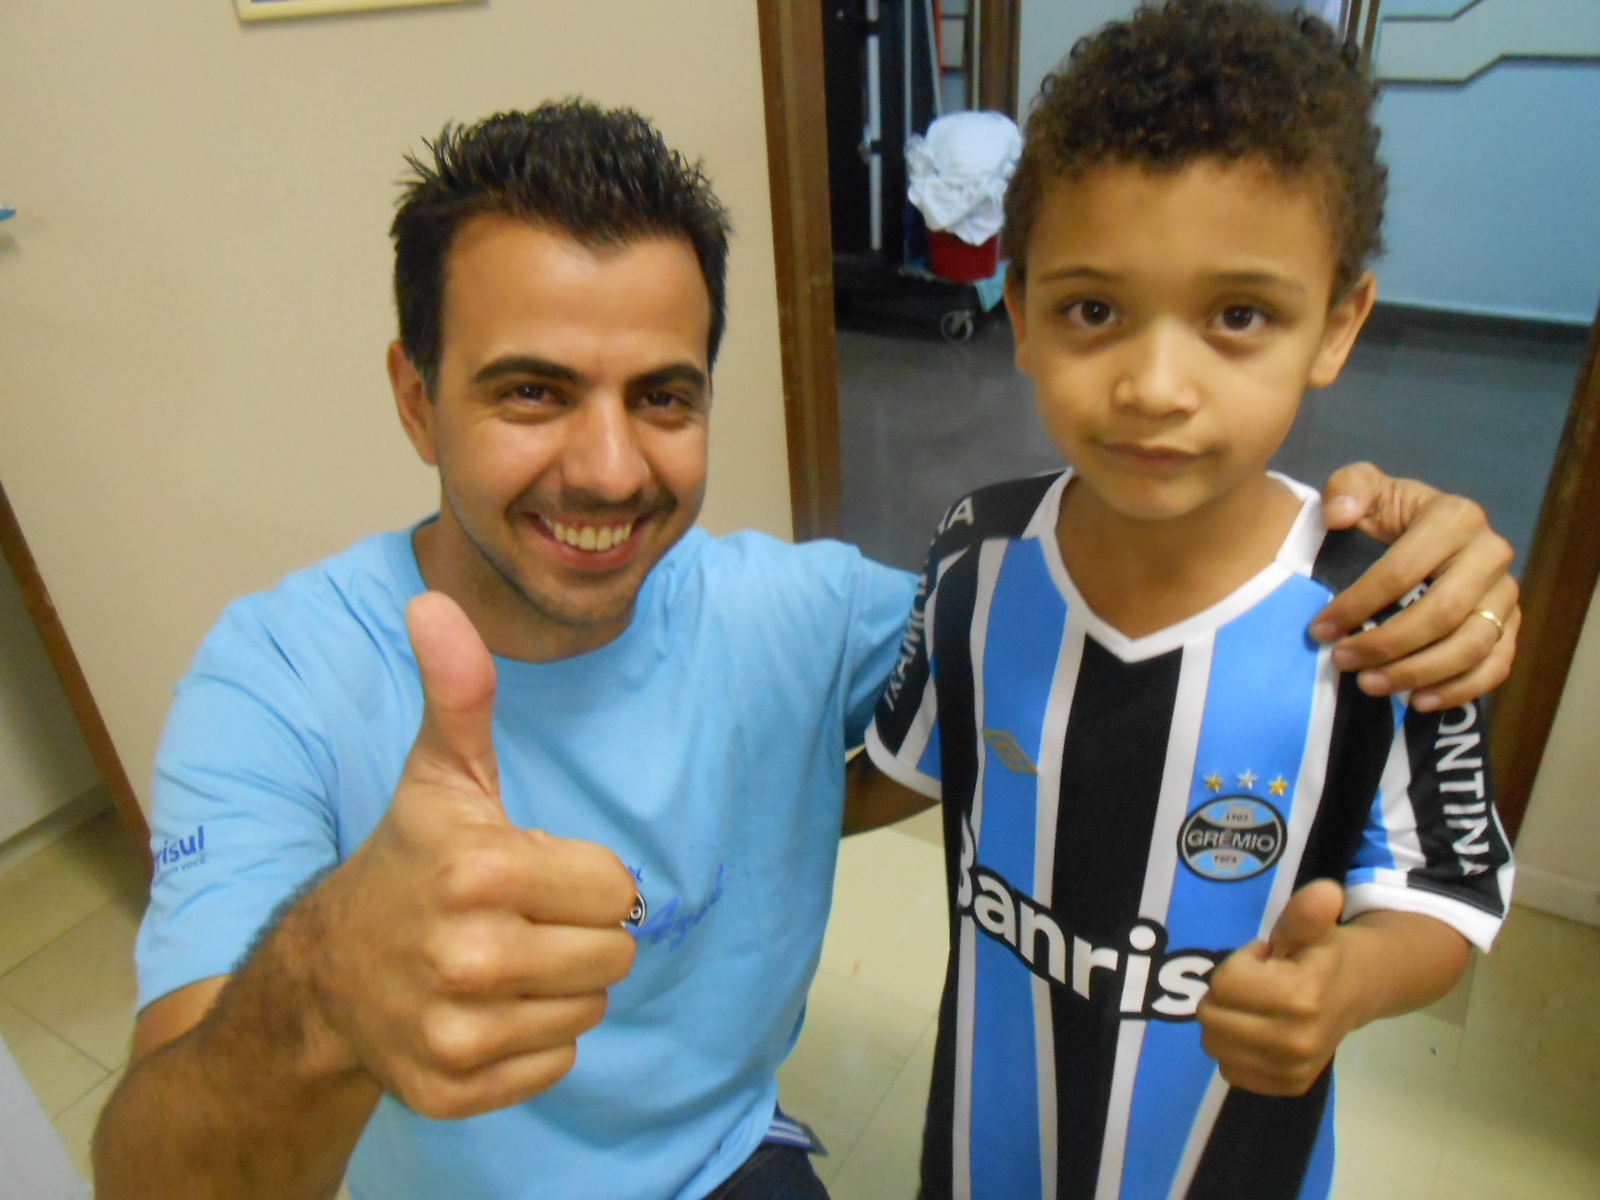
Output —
(1277, 1010)
(455, 743)
(461, 957)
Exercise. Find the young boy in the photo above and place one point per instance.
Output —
(1160, 797)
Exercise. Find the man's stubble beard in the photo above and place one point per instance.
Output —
(499, 585)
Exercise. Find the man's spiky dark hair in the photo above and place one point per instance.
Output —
(602, 176)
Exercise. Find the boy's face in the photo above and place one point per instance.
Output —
(1171, 323)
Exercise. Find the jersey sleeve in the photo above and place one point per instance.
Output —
(878, 609)
(241, 818)
(1433, 843)
(903, 741)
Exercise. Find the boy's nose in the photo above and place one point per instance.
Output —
(602, 455)
(1157, 380)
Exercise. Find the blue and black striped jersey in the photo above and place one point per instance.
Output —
(1120, 815)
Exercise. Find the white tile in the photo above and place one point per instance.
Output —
(75, 1127)
(1518, 1130)
(1539, 990)
(57, 1073)
(1393, 1103)
(81, 986)
(886, 1159)
(854, 1046)
(46, 895)
(926, 826)
(889, 931)
(1453, 1006)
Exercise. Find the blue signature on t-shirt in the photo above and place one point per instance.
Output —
(673, 922)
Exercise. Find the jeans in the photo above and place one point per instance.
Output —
(773, 1173)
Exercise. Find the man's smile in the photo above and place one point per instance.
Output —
(588, 536)
(593, 544)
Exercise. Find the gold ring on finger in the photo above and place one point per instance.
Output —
(1499, 625)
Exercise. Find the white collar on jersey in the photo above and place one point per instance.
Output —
(1295, 556)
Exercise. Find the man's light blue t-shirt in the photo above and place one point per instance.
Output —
(704, 746)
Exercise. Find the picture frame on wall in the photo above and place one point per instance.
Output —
(267, 10)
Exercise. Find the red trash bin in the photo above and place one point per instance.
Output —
(959, 261)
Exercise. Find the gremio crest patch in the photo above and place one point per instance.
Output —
(1232, 838)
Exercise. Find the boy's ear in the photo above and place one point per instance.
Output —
(1016, 306)
(1345, 320)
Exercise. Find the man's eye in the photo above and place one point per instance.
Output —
(1243, 318)
(663, 399)
(533, 393)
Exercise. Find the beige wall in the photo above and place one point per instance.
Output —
(194, 294)
(1558, 852)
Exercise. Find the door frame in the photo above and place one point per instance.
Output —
(1558, 586)
(1563, 565)
(58, 649)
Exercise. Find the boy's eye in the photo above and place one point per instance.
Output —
(1091, 314)
(1242, 318)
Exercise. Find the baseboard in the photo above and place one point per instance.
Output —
(1558, 894)
(25, 844)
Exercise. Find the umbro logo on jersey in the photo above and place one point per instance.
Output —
(1232, 838)
(1009, 752)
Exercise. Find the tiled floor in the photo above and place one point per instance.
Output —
(1493, 1094)
(67, 921)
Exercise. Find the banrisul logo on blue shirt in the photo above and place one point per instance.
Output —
(180, 853)
(1232, 838)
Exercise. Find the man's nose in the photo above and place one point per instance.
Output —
(602, 455)
(1158, 378)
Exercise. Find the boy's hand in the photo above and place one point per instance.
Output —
(1441, 648)
(1278, 1010)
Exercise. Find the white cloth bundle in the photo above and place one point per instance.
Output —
(958, 173)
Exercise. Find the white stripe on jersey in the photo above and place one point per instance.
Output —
(1124, 1069)
(1044, 1040)
(1052, 743)
(1307, 789)
(1183, 743)
(990, 555)
(1394, 798)
(961, 1131)
(1205, 1119)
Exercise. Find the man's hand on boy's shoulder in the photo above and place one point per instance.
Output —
(1455, 643)
(1277, 1010)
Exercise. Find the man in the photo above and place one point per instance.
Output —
(602, 717)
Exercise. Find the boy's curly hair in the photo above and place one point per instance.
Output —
(1224, 79)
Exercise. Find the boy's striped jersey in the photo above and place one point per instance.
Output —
(1120, 814)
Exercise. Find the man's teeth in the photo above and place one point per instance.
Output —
(590, 537)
